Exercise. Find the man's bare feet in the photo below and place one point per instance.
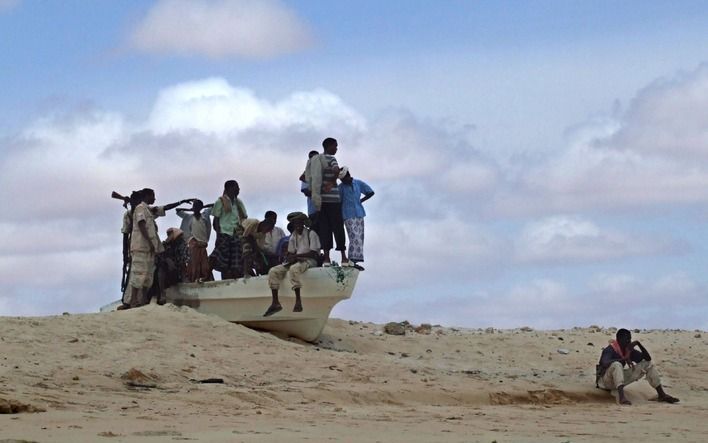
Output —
(273, 309)
(298, 307)
(625, 402)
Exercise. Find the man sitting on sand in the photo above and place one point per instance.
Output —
(303, 249)
(612, 375)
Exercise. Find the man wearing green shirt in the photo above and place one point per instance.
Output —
(228, 213)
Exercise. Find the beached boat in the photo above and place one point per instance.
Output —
(244, 301)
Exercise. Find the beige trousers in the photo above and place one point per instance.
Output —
(616, 375)
(277, 274)
(142, 269)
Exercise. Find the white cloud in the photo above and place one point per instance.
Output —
(564, 239)
(655, 153)
(212, 106)
(667, 118)
(221, 28)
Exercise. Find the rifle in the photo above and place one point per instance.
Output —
(117, 196)
(126, 275)
(126, 260)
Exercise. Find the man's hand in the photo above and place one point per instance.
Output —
(634, 343)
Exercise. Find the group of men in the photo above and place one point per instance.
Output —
(244, 246)
(247, 247)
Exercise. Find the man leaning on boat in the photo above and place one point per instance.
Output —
(303, 250)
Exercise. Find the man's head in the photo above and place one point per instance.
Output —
(231, 188)
(298, 220)
(330, 146)
(298, 226)
(312, 154)
(272, 216)
(265, 226)
(345, 176)
(135, 198)
(197, 206)
(148, 195)
(173, 234)
(624, 338)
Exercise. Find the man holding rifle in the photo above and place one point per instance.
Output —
(144, 245)
(134, 200)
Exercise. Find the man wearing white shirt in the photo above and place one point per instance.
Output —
(196, 227)
(271, 238)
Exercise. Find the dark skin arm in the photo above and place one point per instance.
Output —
(292, 258)
(174, 205)
(217, 226)
(367, 196)
(644, 351)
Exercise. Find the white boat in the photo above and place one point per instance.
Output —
(244, 301)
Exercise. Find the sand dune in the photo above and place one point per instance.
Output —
(136, 376)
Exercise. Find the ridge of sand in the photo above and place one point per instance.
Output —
(133, 376)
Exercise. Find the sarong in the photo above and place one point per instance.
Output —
(254, 262)
(355, 231)
(198, 266)
(226, 256)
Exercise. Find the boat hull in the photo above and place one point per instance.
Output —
(244, 301)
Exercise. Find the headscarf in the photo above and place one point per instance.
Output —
(299, 216)
(226, 201)
(173, 234)
(618, 349)
(250, 226)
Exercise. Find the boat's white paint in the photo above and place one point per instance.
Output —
(245, 301)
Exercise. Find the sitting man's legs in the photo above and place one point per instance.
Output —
(296, 272)
(616, 378)
(276, 274)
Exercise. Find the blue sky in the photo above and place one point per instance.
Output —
(534, 162)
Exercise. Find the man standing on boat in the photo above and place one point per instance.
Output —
(197, 230)
(228, 213)
(351, 191)
(305, 188)
(321, 176)
(303, 249)
(144, 245)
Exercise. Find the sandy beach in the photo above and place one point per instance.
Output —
(137, 376)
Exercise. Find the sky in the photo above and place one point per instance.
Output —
(536, 163)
